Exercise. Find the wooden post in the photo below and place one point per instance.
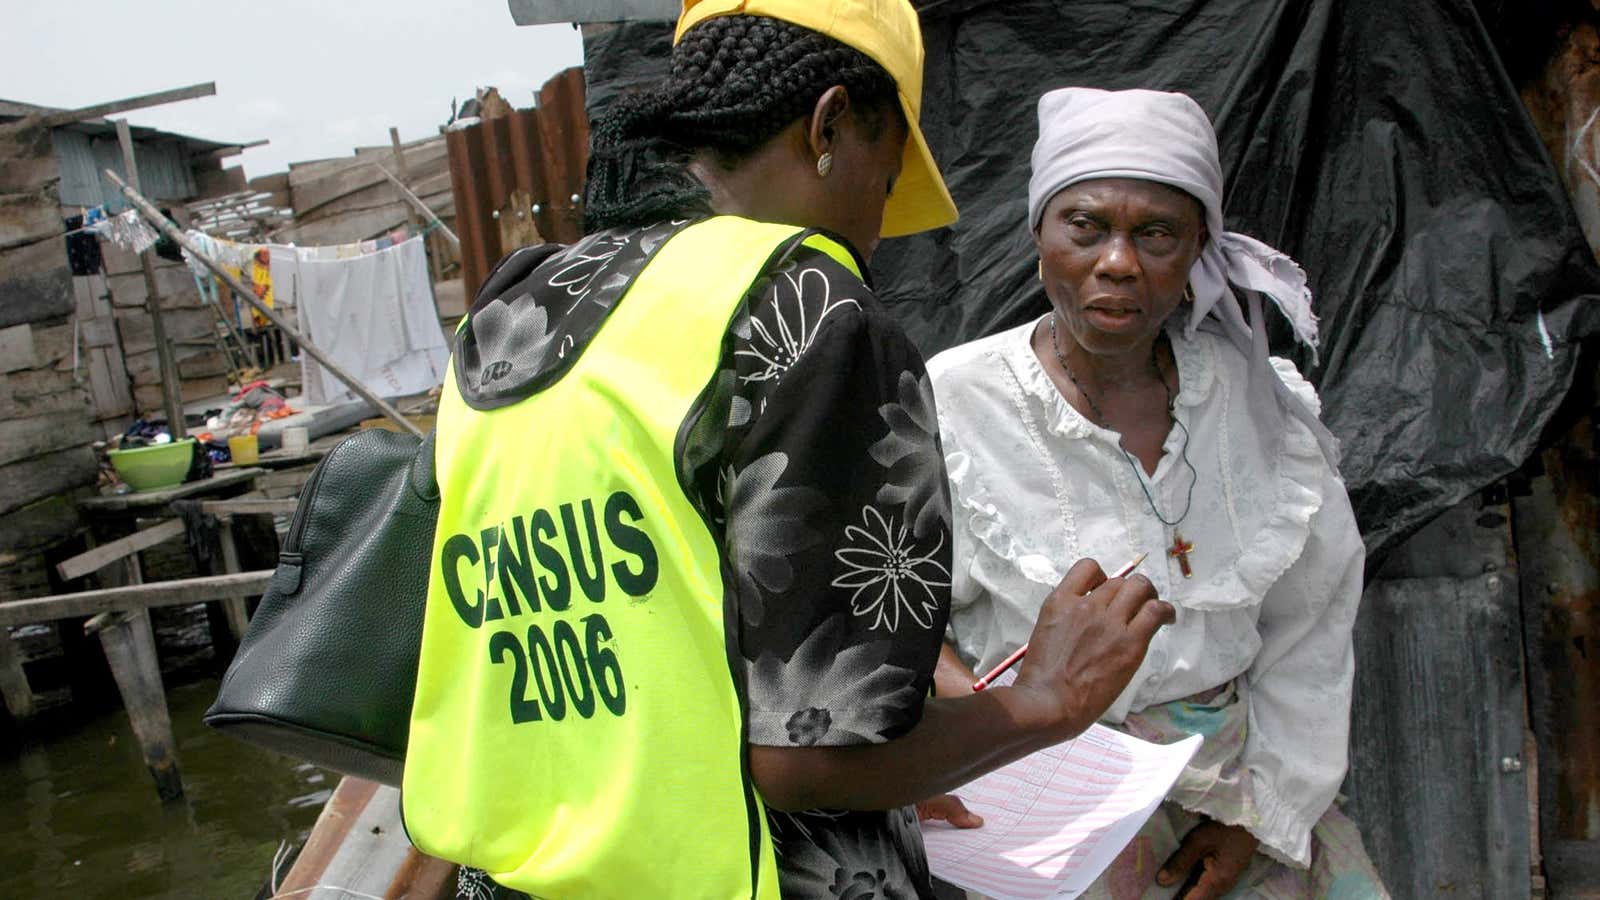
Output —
(154, 215)
(130, 647)
(169, 368)
(143, 101)
(238, 616)
(400, 166)
(417, 202)
(413, 222)
(13, 681)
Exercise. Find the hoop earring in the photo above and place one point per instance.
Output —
(824, 165)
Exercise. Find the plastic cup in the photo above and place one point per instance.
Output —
(244, 449)
(295, 440)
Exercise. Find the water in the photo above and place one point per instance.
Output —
(79, 815)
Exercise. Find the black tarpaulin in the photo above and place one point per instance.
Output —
(1379, 143)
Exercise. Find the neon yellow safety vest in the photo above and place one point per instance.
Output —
(577, 729)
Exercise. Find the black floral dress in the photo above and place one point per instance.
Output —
(815, 456)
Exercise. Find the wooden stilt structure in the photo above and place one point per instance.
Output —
(13, 681)
(130, 647)
(121, 620)
(233, 606)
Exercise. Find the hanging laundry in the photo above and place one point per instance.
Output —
(371, 309)
(83, 248)
(166, 247)
(375, 316)
(285, 283)
(261, 284)
(127, 230)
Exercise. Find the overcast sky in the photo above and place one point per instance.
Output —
(315, 77)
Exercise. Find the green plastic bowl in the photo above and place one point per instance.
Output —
(154, 467)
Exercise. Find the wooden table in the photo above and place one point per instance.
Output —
(153, 504)
(281, 459)
(115, 516)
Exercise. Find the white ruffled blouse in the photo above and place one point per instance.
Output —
(1277, 559)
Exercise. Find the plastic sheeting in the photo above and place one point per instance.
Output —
(1379, 143)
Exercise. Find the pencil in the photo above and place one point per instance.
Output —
(1017, 654)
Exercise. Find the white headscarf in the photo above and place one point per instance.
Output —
(1087, 133)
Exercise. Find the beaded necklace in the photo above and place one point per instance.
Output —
(1180, 548)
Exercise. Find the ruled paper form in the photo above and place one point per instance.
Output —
(1053, 821)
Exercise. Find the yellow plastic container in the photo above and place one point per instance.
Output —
(245, 449)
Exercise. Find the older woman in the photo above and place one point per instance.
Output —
(1142, 413)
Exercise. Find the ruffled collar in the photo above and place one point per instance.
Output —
(1277, 540)
(1196, 377)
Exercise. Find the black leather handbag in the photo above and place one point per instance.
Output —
(327, 669)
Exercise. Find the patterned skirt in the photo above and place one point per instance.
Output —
(1216, 784)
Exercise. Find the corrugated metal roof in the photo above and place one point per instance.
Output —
(85, 149)
(164, 171)
(510, 165)
(545, 12)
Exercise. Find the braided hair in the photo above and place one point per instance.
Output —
(736, 82)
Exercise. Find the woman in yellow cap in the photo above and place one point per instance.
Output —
(692, 565)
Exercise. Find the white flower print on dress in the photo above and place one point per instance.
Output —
(518, 336)
(910, 452)
(889, 573)
(578, 267)
(844, 856)
(830, 692)
(797, 315)
(767, 526)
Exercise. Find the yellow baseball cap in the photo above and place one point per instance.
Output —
(887, 31)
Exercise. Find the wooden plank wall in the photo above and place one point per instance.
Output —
(189, 322)
(77, 356)
(1439, 762)
(339, 201)
(45, 407)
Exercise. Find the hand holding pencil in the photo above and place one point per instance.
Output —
(1090, 638)
(1016, 655)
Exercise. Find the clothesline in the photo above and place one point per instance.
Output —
(129, 231)
(239, 252)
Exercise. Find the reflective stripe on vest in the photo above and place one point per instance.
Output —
(577, 731)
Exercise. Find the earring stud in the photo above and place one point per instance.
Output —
(824, 165)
